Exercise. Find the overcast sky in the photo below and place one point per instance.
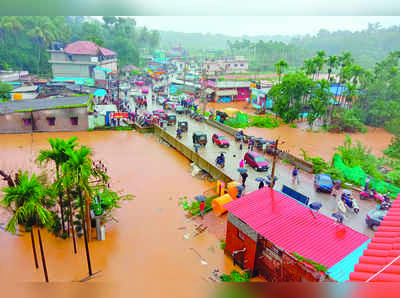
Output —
(265, 25)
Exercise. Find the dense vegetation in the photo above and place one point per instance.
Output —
(24, 40)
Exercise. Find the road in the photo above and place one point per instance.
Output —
(283, 171)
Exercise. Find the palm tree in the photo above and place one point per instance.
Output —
(80, 168)
(310, 67)
(280, 68)
(58, 154)
(9, 25)
(27, 200)
(332, 63)
(350, 93)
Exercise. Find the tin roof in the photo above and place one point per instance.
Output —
(293, 227)
(233, 84)
(383, 249)
(82, 47)
(42, 104)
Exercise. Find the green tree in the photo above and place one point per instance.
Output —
(280, 68)
(5, 90)
(393, 150)
(319, 101)
(58, 155)
(79, 167)
(27, 201)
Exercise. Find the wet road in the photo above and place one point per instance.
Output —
(283, 171)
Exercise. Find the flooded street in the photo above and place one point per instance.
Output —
(147, 246)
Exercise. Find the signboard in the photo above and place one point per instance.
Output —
(119, 115)
(94, 59)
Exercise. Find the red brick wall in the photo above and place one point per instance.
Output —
(233, 243)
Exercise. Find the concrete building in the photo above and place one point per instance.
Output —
(226, 65)
(83, 59)
(11, 76)
(45, 115)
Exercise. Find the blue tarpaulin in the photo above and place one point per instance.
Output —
(100, 92)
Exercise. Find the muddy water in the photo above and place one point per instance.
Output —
(315, 143)
(147, 248)
(322, 143)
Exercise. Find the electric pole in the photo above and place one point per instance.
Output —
(275, 153)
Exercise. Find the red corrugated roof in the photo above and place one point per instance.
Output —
(293, 227)
(87, 48)
(383, 249)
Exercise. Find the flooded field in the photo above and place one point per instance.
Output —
(147, 248)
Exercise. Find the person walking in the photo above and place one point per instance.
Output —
(249, 144)
(241, 164)
(252, 144)
(244, 177)
(202, 206)
(366, 186)
(264, 148)
(295, 176)
(241, 144)
(261, 184)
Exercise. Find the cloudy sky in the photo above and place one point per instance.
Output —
(262, 25)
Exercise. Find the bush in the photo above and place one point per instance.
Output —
(393, 150)
(235, 277)
(316, 265)
(335, 174)
(318, 162)
(264, 122)
(293, 125)
(393, 126)
(346, 121)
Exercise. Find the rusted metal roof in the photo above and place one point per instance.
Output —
(380, 261)
(293, 227)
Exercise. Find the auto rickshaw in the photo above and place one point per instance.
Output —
(179, 109)
(221, 116)
(171, 119)
(200, 138)
(183, 125)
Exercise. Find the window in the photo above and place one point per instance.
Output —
(241, 64)
(236, 65)
(28, 121)
(228, 65)
(240, 236)
(74, 120)
(51, 121)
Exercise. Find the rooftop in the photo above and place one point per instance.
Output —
(87, 48)
(294, 227)
(233, 84)
(42, 104)
(383, 249)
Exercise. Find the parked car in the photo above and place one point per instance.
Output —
(179, 109)
(257, 161)
(145, 90)
(199, 138)
(183, 125)
(220, 140)
(374, 218)
(323, 183)
(161, 100)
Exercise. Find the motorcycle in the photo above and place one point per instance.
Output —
(179, 135)
(386, 204)
(220, 162)
(373, 195)
(349, 202)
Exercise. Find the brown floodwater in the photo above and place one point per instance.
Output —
(147, 248)
(315, 143)
(322, 144)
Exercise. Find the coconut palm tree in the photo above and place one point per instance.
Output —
(28, 202)
(280, 68)
(79, 166)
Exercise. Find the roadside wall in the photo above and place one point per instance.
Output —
(215, 172)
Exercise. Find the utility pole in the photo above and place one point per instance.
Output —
(275, 153)
(205, 84)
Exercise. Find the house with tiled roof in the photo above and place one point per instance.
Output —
(278, 238)
(380, 261)
(83, 60)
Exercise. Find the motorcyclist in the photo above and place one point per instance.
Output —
(221, 160)
(179, 133)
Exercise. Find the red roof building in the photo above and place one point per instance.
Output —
(81, 47)
(286, 226)
(380, 262)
